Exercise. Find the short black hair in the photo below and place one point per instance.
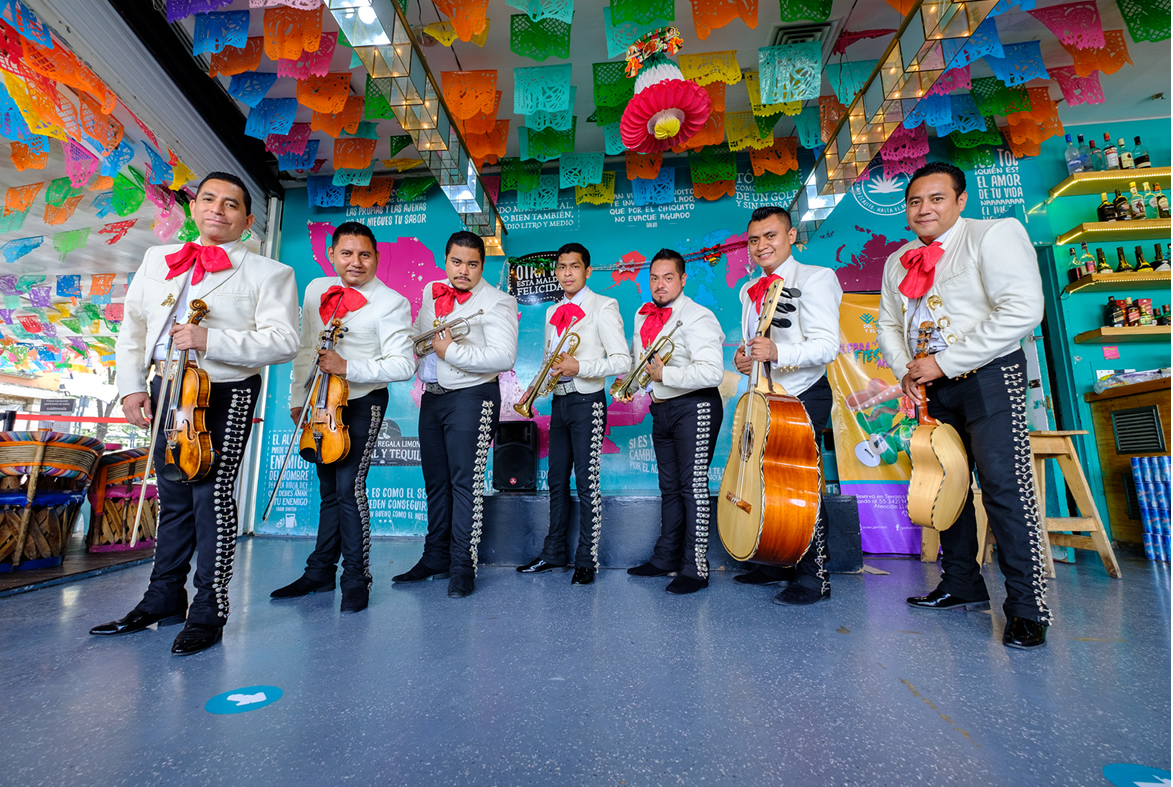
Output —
(939, 168)
(766, 211)
(356, 228)
(669, 254)
(467, 240)
(228, 177)
(575, 248)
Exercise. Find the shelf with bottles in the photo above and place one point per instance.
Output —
(1112, 231)
(1124, 335)
(1085, 183)
(1110, 282)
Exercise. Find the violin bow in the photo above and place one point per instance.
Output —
(142, 498)
(314, 372)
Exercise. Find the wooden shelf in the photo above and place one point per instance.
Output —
(1103, 282)
(1113, 231)
(1139, 333)
(1082, 183)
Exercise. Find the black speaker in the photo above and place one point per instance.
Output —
(515, 456)
(844, 555)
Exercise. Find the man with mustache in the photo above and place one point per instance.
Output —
(374, 350)
(686, 416)
(579, 416)
(251, 324)
(798, 355)
(977, 285)
(460, 409)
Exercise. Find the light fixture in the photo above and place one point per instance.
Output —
(929, 38)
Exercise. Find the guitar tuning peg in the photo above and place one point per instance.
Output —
(792, 292)
(780, 322)
(786, 308)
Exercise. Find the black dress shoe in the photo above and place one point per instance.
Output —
(939, 599)
(355, 599)
(648, 570)
(420, 572)
(1024, 634)
(766, 575)
(137, 620)
(302, 586)
(685, 584)
(583, 575)
(460, 585)
(196, 637)
(800, 596)
(539, 566)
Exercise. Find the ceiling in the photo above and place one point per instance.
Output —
(1131, 89)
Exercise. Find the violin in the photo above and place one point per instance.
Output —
(188, 456)
(325, 438)
(939, 484)
(768, 504)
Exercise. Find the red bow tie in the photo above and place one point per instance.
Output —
(757, 292)
(447, 297)
(206, 259)
(920, 264)
(656, 316)
(338, 301)
(564, 314)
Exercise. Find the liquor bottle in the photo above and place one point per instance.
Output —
(1150, 202)
(1159, 261)
(1125, 155)
(1131, 313)
(1141, 263)
(1165, 317)
(1123, 208)
(1162, 203)
(1074, 161)
(1097, 158)
(1086, 154)
(1074, 268)
(1102, 265)
(1109, 309)
(1085, 259)
(1135, 202)
(1111, 158)
(1123, 265)
(1107, 211)
(1140, 155)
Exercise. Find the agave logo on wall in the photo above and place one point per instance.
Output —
(879, 194)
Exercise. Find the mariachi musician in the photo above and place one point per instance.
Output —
(579, 416)
(460, 407)
(374, 350)
(798, 355)
(686, 416)
(978, 284)
(251, 323)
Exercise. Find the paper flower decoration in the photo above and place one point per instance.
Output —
(667, 110)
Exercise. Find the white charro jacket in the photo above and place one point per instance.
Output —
(812, 340)
(251, 322)
(699, 360)
(987, 296)
(489, 348)
(376, 345)
(602, 350)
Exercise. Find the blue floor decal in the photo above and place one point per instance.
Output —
(243, 700)
(1124, 774)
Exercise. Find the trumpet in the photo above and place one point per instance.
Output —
(422, 343)
(624, 390)
(539, 388)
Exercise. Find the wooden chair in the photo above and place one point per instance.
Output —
(114, 498)
(47, 474)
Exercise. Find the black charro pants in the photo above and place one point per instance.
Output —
(683, 432)
(200, 518)
(455, 431)
(576, 440)
(344, 524)
(988, 410)
(811, 571)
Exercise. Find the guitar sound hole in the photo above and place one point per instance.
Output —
(747, 442)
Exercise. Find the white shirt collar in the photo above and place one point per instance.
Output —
(576, 300)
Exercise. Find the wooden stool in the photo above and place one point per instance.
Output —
(1060, 447)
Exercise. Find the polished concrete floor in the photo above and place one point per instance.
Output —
(532, 681)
